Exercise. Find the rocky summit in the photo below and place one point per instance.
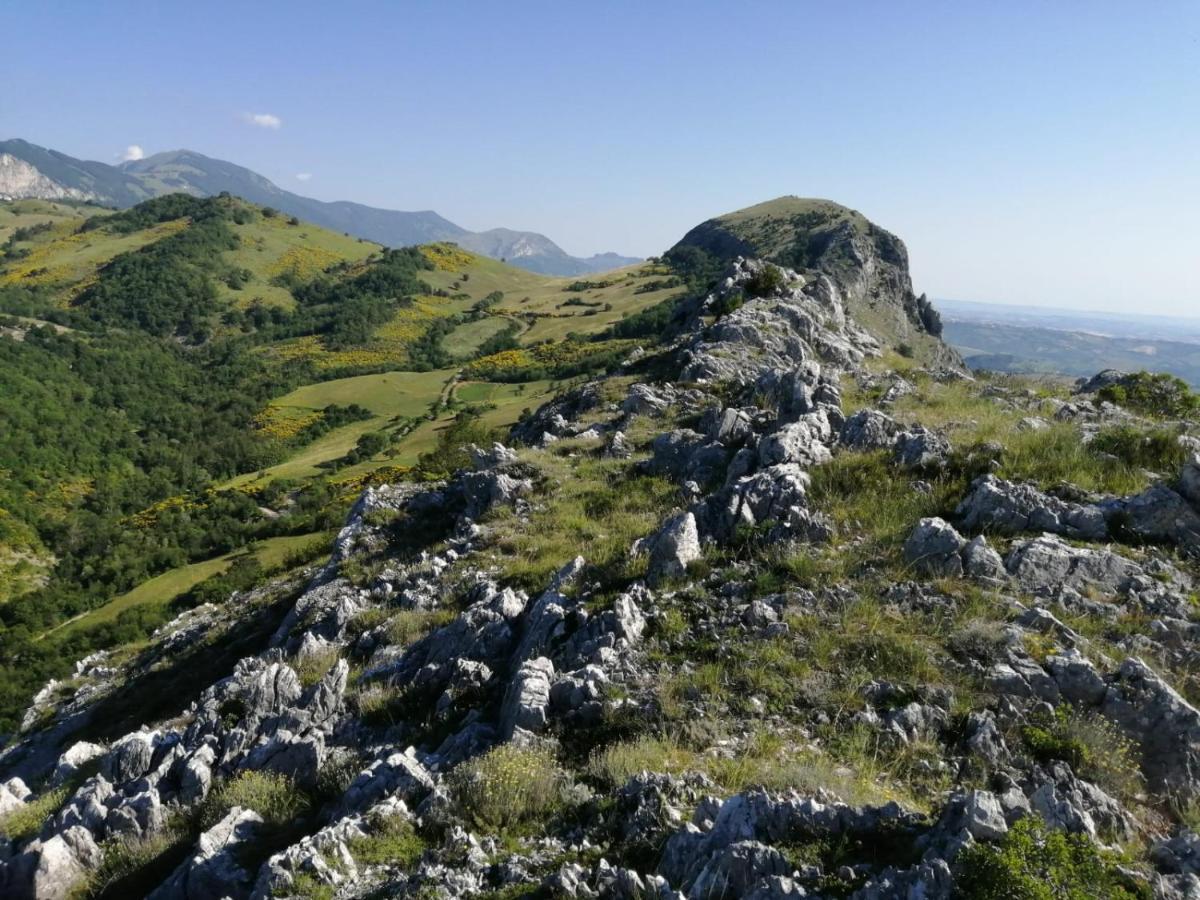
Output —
(786, 603)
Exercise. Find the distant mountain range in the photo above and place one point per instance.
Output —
(27, 170)
(1028, 339)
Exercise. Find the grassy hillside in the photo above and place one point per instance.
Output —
(191, 377)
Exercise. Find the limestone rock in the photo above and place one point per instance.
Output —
(214, 871)
(869, 429)
(921, 449)
(1004, 507)
(62, 863)
(674, 547)
(935, 548)
(528, 698)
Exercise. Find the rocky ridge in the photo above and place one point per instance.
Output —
(396, 671)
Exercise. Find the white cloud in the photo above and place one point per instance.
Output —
(264, 120)
(133, 152)
(304, 176)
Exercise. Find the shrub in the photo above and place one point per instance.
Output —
(765, 281)
(1091, 745)
(617, 763)
(509, 786)
(1033, 864)
(312, 667)
(274, 797)
(1155, 394)
(134, 866)
(380, 706)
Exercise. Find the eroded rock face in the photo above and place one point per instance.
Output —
(1004, 507)
(214, 870)
(769, 335)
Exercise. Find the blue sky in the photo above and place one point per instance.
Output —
(1044, 153)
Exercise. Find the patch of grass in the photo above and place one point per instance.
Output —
(1157, 449)
(25, 822)
(274, 797)
(315, 666)
(509, 787)
(1058, 454)
(586, 506)
(874, 507)
(380, 706)
(134, 866)
(617, 763)
(391, 841)
(410, 625)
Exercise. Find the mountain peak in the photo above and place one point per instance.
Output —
(191, 172)
(868, 264)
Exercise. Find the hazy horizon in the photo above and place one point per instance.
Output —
(1039, 154)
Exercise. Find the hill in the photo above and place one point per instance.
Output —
(27, 170)
(441, 578)
(869, 264)
(166, 365)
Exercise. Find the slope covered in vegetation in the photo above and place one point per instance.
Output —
(765, 605)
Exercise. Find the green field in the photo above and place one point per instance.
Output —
(387, 394)
(544, 298)
(164, 588)
(465, 340)
(24, 213)
(269, 247)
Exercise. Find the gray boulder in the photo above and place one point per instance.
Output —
(674, 548)
(981, 562)
(984, 816)
(13, 795)
(935, 548)
(869, 429)
(489, 488)
(921, 449)
(1048, 566)
(1005, 507)
(803, 442)
(1166, 726)
(63, 861)
(730, 426)
(130, 757)
(78, 754)
(1159, 514)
